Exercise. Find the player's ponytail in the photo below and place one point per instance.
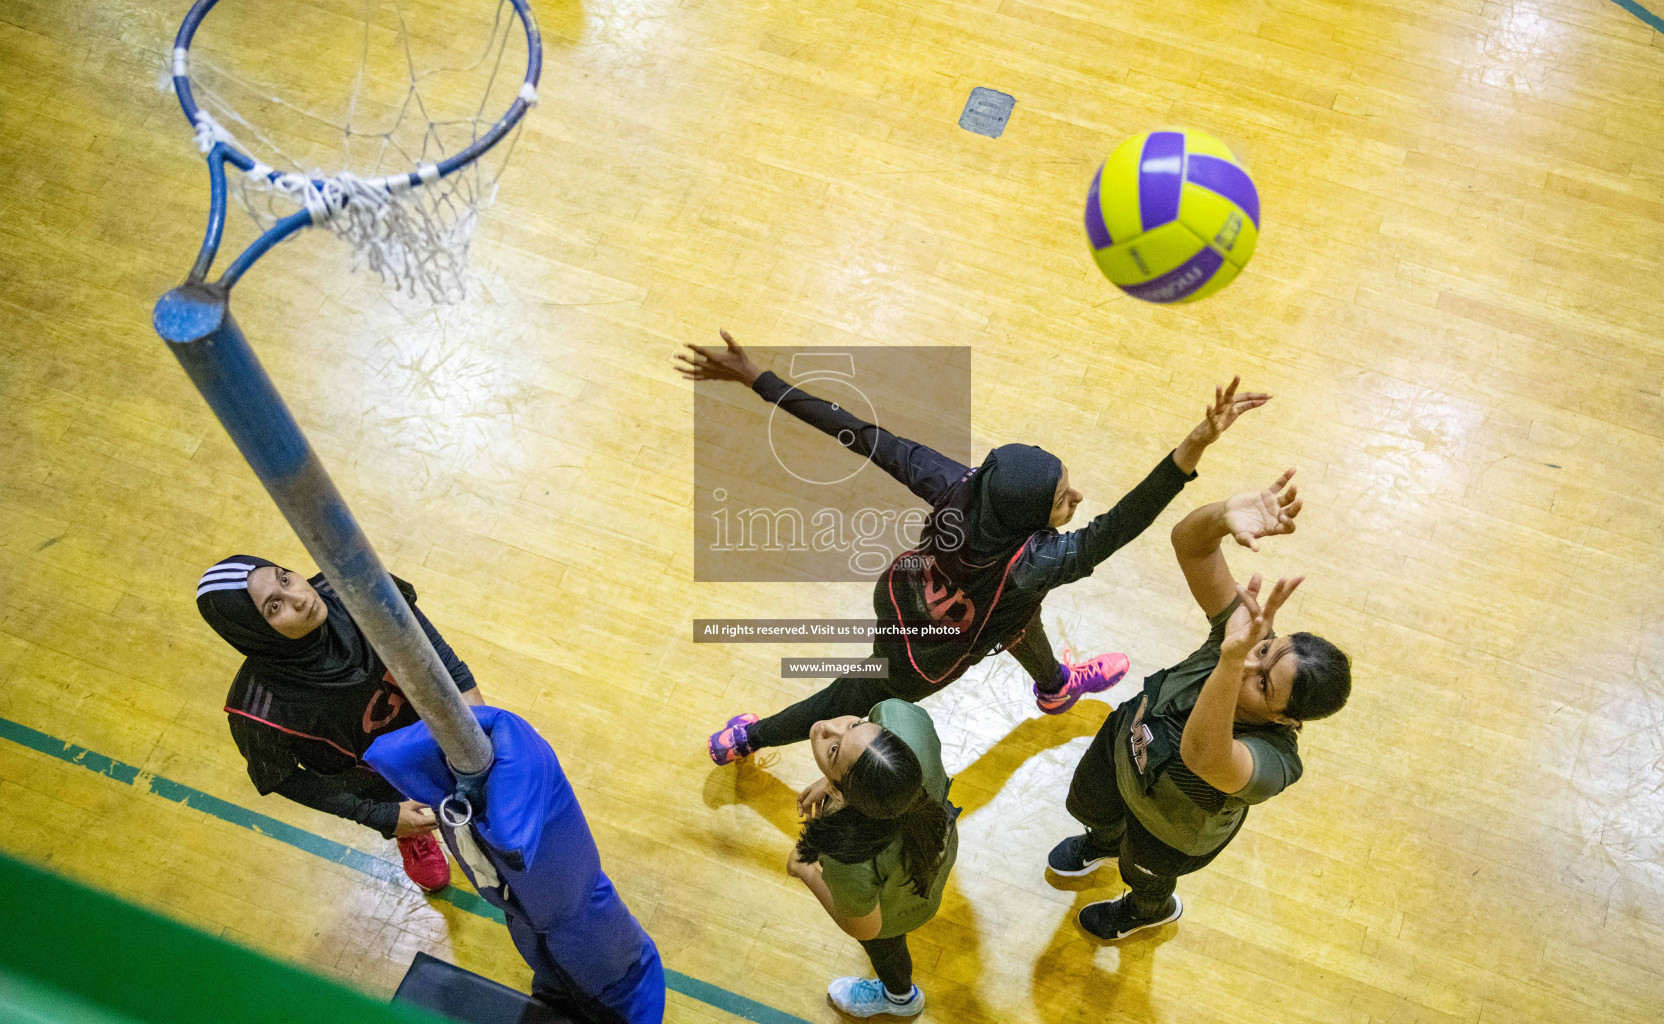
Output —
(924, 836)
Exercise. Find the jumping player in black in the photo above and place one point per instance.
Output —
(987, 556)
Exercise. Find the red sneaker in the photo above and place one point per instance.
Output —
(1093, 676)
(424, 862)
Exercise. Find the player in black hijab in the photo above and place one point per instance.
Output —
(989, 553)
(312, 695)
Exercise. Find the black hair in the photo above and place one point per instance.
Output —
(884, 800)
(1322, 679)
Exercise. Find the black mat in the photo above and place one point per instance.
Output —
(466, 997)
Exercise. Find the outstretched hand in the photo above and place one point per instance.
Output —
(1251, 622)
(1256, 514)
(1226, 408)
(711, 363)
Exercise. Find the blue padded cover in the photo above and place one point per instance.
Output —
(564, 914)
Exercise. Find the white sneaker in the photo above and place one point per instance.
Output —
(865, 997)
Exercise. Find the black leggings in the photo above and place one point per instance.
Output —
(855, 695)
(1149, 866)
(891, 962)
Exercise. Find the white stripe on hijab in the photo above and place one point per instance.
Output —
(225, 576)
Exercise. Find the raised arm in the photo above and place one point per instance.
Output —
(1246, 518)
(921, 469)
(1209, 746)
(1055, 559)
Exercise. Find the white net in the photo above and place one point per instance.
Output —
(344, 99)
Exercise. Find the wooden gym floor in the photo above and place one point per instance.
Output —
(1456, 301)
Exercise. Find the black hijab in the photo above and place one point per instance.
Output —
(334, 655)
(995, 510)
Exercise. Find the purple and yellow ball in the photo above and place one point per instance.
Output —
(1172, 216)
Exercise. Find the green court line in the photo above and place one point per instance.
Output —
(1645, 15)
(330, 850)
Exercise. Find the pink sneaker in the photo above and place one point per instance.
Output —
(424, 862)
(1092, 676)
(731, 743)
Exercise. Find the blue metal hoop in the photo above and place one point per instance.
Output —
(223, 153)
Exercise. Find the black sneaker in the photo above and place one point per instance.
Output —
(1115, 919)
(1071, 860)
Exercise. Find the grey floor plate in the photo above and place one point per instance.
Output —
(986, 112)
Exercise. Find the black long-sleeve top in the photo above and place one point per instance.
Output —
(333, 794)
(1050, 559)
(310, 750)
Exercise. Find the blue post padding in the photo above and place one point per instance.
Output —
(564, 915)
(196, 321)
